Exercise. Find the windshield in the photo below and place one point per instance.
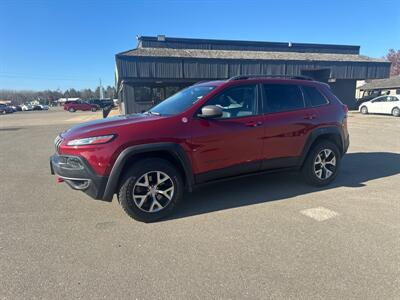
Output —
(182, 100)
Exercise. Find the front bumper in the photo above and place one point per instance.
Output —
(78, 174)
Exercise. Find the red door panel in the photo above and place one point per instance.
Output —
(85, 106)
(286, 132)
(224, 143)
(288, 121)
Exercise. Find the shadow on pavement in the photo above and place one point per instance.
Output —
(10, 129)
(356, 170)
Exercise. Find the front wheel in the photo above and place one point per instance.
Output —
(150, 190)
(364, 110)
(72, 110)
(94, 109)
(322, 164)
(396, 112)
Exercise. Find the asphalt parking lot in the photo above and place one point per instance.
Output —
(264, 237)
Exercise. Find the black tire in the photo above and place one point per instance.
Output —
(133, 177)
(364, 110)
(310, 167)
(94, 109)
(396, 112)
(72, 110)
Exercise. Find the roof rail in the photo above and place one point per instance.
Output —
(243, 77)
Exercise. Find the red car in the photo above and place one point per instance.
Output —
(73, 106)
(209, 131)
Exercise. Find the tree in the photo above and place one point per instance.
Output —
(48, 96)
(394, 57)
(97, 92)
(110, 92)
(87, 94)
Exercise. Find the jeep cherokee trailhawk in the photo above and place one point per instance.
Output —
(209, 131)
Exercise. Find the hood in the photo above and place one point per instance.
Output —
(104, 126)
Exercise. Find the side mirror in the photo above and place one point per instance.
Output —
(210, 112)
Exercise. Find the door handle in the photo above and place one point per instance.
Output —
(253, 124)
(310, 117)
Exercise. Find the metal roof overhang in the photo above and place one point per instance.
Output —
(189, 69)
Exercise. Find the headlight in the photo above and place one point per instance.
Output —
(92, 140)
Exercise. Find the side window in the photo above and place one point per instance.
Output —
(386, 99)
(282, 97)
(240, 101)
(313, 96)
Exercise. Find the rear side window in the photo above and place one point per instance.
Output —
(313, 96)
(282, 97)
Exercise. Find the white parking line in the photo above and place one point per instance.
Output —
(319, 213)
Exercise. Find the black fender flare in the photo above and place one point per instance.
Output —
(316, 133)
(172, 148)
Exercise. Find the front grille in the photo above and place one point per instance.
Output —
(57, 143)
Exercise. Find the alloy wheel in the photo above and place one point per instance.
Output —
(364, 110)
(153, 191)
(325, 164)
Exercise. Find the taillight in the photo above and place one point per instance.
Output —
(345, 109)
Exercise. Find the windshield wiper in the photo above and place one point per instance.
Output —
(152, 113)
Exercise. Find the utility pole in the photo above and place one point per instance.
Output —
(101, 91)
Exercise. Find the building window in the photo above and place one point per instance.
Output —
(143, 94)
(171, 90)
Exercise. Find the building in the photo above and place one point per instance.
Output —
(387, 86)
(160, 66)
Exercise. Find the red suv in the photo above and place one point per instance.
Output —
(73, 106)
(209, 131)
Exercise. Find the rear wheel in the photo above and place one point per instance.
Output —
(322, 163)
(396, 112)
(72, 110)
(150, 190)
(94, 109)
(364, 110)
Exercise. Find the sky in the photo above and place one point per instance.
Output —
(72, 44)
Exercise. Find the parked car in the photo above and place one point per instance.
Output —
(209, 131)
(41, 107)
(382, 105)
(5, 109)
(102, 103)
(26, 107)
(80, 105)
(18, 108)
(367, 96)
